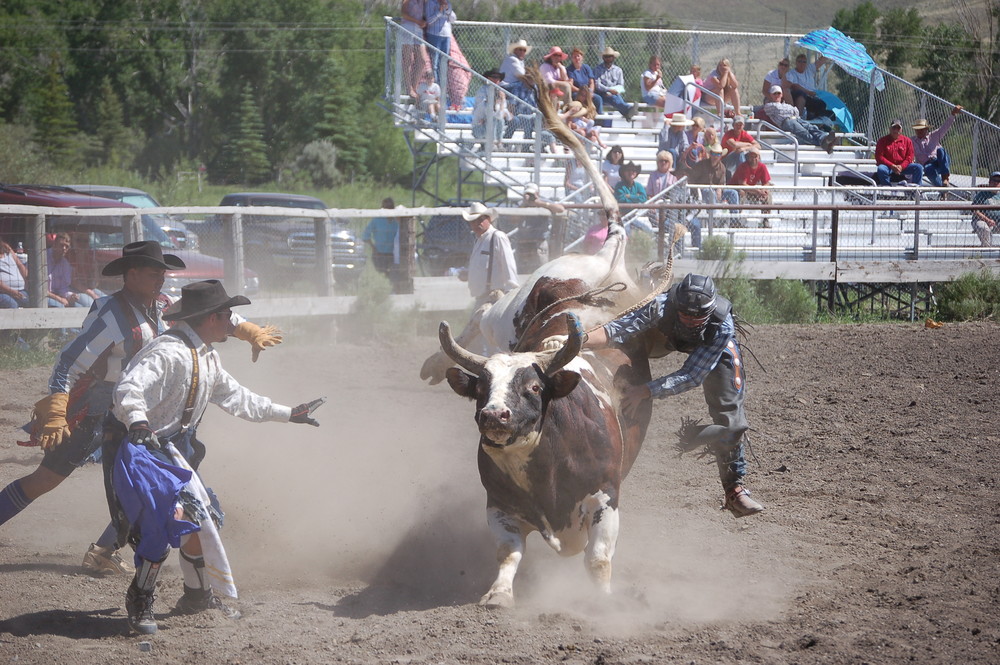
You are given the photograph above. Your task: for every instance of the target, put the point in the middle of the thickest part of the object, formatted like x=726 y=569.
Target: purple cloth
x=60 y=275
x=147 y=490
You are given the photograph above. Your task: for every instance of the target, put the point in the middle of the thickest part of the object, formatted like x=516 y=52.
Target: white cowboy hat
x=477 y=210
x=520 y=43
x=610 y=51
x=680 y=120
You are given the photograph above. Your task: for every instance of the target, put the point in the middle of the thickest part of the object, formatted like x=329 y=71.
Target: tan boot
x=739 y=503
x=106 y=561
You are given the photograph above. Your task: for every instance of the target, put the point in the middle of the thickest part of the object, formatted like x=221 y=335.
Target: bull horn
x=569 y=350
x=464 y=359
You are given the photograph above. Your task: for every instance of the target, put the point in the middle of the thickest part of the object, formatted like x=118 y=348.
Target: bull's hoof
x=497 y=599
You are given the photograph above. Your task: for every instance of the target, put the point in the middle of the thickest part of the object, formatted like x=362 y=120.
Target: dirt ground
x=875 y=449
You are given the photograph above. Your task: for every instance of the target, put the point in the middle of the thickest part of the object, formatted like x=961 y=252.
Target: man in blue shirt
x=380 y=234
x=695 y=320
x=609 y=83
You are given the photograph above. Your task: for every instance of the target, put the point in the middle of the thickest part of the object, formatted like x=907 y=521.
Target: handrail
x=701 y=109
x=795 y=142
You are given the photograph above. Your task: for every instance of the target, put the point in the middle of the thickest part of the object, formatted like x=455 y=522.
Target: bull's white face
x=511 y=396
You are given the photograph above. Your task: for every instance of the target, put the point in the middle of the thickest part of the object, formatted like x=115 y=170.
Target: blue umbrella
x=847 y=53
x=836 y=106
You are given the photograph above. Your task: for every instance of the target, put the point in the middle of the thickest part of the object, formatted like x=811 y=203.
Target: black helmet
x=695 y=296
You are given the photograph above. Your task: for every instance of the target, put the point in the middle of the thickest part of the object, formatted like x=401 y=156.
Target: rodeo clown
x=157 y=495
x=67 y=424
x=695 y=320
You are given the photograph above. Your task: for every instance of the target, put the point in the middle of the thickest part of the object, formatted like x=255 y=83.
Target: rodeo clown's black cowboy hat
x=202 y=298
x=142 y=253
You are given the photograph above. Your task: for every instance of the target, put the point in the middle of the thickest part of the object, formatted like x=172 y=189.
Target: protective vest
x=683 y=339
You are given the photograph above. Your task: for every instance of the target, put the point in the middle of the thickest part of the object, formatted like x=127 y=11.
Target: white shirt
x=610 y=172
x=658 y=90
x=504 y=276
x=511 y=68
x=806 y=79
x=155 y=387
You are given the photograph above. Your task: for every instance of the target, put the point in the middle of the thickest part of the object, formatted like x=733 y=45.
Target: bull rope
x=611 y=209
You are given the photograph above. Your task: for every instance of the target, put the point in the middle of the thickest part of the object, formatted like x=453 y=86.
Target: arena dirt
x=875 y=451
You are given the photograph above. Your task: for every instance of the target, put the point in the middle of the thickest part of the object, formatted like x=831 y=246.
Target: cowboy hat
x=555 y=51
x=201 y=298
x=716 y=149
x=576 y=109
x=610 y=51
x=921 y=124
x=629 y=166
x=493 y=74
x=680 y=120
x=520 y=43
x=142 y=253
x=477 y=210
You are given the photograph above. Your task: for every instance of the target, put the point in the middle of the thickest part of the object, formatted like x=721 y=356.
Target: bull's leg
x=603 y=535
x=509 y=533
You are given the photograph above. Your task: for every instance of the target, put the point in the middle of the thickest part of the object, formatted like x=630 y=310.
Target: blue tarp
x=848 y=54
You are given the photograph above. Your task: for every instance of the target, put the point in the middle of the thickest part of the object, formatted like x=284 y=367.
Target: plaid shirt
x=699 y=363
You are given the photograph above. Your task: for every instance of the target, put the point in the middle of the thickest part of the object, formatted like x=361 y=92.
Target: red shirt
x=743 y=136
x=889 y=151
x=745 y=175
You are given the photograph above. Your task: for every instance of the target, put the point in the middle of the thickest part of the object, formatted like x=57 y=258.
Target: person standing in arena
x=697 y=321
x=158 y=496
x=67 y=423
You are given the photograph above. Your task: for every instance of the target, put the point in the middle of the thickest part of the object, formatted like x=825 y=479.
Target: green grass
x=20 y=356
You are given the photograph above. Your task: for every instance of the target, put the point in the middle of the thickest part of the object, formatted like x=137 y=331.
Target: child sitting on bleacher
x=429 y=95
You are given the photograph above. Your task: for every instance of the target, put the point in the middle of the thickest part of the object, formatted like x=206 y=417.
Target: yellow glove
x=50 y=412
x=259 y=338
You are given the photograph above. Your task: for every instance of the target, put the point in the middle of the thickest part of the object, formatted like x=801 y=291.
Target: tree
x=110 y=130
x=341 y=123
x=245 y=155
x=52 y=110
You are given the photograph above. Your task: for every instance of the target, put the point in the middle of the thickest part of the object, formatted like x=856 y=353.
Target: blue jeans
x=805 y=132
x=441 y=44
x=616 y=100
x=9 y=302
x=883 y=175
x=730 y=196
x=938 y=167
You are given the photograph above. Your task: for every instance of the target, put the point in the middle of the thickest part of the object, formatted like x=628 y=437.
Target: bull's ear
x=462 y=383
x=563 y=382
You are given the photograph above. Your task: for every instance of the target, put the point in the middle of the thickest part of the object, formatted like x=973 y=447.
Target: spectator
x=491 y=263
x=753 y=173
x=628 y=190
x=531 y=246
x=738 y=142
x=694 y=154
x=582 y=78
x=581 y=121
x=61 y=277
x=554 y=73
x=523 y=102
x=12 y=275
x=661 y=179
x=487 y=119
x=438 y=17
x=513 y=65
x=673 y=136
x=380 y=234
x=654 y=92
x=696 y=133
x=610 y=83
x=575 y=177
x=429 y=95
x=712 y=171
x=894 y=157
x=987 y=222
x=802 y=86
x=722 y=81
x=696 y=75
x=611 y=166
x=413 y=52
x=928 y=151
x=776 y=77
x=710 y=137
x=786 y=117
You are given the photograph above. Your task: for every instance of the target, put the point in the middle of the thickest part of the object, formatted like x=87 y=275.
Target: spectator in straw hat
x=673 y=136
x=928 y=151
x=554 y=73
x=610 y=83
x=712 y=171
x=513 y=65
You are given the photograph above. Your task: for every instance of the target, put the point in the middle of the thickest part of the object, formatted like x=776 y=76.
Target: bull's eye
x=536 y=388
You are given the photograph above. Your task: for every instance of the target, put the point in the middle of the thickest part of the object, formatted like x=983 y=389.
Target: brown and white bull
x=554 y=446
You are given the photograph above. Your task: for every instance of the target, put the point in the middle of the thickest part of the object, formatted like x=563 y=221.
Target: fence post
x=132 y=228
x=871 y=110
x=324 y=256
x=233 y=252
x=916 y=225
x=38 y=270
x=401 y=275
x=975 y=153
x=831 y=293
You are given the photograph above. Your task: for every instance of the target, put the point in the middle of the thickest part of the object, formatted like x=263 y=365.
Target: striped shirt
x=699 y=363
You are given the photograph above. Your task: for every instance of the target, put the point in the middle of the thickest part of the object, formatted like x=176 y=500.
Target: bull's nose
x=501 y=415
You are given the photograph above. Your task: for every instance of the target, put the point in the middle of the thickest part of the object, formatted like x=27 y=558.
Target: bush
x=318 y=164
x=372 y=317
x=971 y=296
